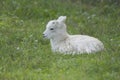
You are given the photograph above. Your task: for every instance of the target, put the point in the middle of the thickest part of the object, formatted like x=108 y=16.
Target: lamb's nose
x=43 y=35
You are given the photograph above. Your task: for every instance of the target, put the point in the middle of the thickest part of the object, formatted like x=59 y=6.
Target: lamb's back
x=85 y=44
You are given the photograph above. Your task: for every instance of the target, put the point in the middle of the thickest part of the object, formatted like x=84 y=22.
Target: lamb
x=62 y=42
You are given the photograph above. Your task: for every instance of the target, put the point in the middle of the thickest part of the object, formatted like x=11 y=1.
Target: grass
x=25 y=55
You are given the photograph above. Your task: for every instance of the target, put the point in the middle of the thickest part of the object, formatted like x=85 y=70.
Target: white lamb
x=62 y=42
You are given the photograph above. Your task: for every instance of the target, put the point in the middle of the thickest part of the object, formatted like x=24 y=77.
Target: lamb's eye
x=51 y=28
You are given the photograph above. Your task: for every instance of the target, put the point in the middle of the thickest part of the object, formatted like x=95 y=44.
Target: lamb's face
x=54 y=28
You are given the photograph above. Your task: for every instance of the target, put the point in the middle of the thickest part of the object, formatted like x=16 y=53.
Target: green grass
x=26 y=55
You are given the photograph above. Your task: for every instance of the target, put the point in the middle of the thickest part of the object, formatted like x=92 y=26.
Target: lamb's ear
x=62 y=18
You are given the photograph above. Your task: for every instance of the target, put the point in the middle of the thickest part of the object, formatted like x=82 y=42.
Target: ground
x=26 y=55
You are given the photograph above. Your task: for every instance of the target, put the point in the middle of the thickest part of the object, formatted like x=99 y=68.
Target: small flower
x=111 y=39
x=18 y=48
x=36 y=41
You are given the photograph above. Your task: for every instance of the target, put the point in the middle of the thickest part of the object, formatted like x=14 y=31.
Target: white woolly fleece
x=62 y=42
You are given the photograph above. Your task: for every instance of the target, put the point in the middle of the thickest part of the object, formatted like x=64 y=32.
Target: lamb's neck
x=59 y=39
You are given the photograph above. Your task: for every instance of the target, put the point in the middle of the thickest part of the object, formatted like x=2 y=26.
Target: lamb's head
x=55 y=28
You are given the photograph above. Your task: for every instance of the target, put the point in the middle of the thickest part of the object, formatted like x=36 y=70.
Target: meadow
x=26 y=55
